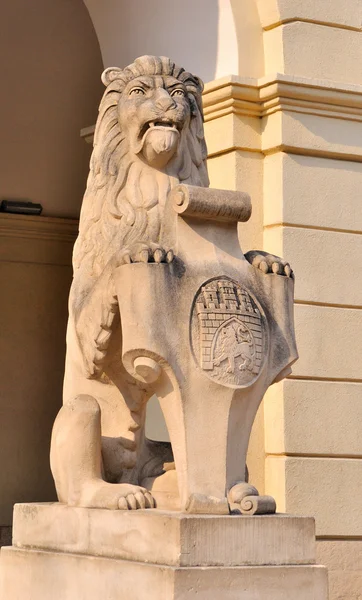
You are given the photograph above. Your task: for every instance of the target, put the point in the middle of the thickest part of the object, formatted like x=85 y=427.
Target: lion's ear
x=110 y=75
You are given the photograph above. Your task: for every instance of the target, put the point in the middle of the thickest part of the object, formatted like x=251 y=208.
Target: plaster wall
x=210 y=37
x=35 y=276
x=50 y=64
x=312 y=215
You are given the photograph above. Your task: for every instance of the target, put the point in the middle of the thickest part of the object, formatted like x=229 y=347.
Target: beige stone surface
x=233 y=132
x=237 y=170
x=318 y=328
x=46 y=575
x=147 y=201
x=344 y=561
x=324 y=52
x=312 y=134
x=325 y=248
x=307 y=190
x=347 y=14
x=313 y=417
x=164 y=537
x=255 y=459
x=327 y=488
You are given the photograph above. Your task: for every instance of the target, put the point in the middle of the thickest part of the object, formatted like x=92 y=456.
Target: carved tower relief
x=232 y=333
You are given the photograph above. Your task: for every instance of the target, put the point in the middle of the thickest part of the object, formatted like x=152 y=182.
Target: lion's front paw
x=139 y=499
x=146 y=253
x=268 y=263
x=122 y=496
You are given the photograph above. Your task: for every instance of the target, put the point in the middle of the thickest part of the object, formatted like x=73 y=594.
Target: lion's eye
x=137 y=92
x=177 y=92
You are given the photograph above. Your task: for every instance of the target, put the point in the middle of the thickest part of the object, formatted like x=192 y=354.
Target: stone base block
x=40 y=575
x=67 y=553
x=166 y=538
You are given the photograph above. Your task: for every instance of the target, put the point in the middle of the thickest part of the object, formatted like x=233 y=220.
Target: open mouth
x=160 y=124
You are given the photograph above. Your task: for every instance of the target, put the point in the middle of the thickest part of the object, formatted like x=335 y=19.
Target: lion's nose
x=164 y=101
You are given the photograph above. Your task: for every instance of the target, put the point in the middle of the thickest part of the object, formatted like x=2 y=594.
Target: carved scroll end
x=146 y=369
x=244 y=499
x=255 y=505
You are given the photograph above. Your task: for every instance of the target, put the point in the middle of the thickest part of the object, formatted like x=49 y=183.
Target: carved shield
x=231 y=333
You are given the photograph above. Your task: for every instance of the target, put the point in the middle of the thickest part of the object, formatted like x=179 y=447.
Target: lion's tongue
x=161 y=138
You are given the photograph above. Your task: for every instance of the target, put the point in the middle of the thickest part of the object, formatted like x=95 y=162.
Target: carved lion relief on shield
x=229 y=341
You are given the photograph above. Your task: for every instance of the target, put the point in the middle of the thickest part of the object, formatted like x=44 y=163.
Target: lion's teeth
x=161 y=124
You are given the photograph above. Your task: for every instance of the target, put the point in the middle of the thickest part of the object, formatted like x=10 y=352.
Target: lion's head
x=149 y=137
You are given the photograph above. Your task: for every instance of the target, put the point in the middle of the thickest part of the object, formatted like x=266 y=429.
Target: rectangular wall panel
x=327 y=264
x=313 y=417
x=307 y=190
x=329 y=342
x=327 y=488
x=314 y=51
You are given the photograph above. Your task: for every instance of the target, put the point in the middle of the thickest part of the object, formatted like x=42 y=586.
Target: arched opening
x=51 y=65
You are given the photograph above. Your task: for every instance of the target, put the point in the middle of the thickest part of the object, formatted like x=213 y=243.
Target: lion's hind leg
x=76 y=461
x=231 y=367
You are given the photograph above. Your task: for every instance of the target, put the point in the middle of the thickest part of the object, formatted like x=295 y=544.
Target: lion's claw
x=170 y=256
x=143 y=256
x=122 y=504
x=150 y=502
x=288 y=271
x=140 y=499
x=263 y=266
x=268 y=263
x=159 y=255
x=131 y=501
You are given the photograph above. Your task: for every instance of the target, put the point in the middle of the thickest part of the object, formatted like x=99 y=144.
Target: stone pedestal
x=67 y=553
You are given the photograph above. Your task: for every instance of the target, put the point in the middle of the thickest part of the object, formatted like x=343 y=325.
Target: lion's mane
x=120 y=189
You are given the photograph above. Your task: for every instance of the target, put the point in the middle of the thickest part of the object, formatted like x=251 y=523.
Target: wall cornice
x=38 y=227
x=37 y=240
x=262 y=97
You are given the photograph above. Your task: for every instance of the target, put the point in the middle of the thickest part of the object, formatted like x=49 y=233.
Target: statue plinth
x=72 y=553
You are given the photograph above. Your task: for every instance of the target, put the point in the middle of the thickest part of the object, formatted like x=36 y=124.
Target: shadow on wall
x=33 y=315
x=249 y=35
x=50 y=63
x=185 y=31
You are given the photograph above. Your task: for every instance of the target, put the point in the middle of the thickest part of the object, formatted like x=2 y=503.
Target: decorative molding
x=332 y=24
x=38 y=228
x=339 y=15
x=260 y=98
x=37 y=240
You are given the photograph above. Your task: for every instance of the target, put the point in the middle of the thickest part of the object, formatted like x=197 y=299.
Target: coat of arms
x=231 y=332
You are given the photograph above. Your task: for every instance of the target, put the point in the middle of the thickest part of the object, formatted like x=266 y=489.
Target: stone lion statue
x=148 y=138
